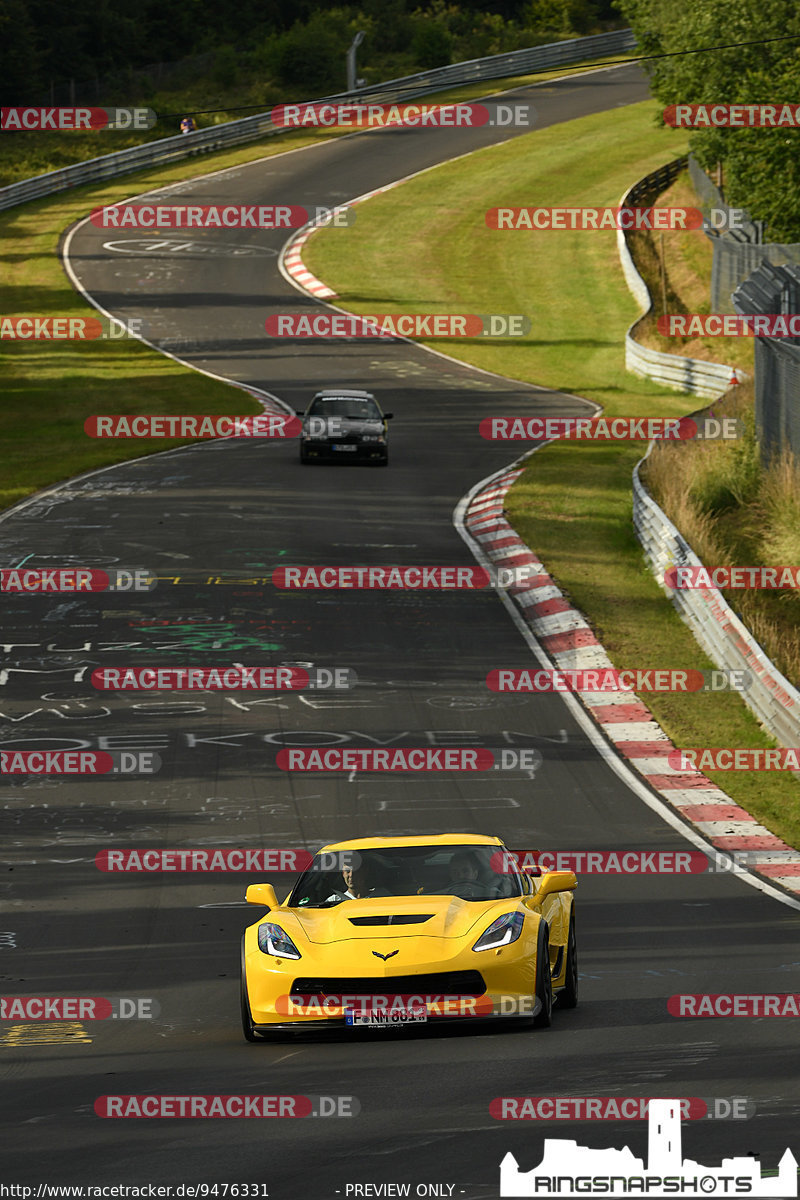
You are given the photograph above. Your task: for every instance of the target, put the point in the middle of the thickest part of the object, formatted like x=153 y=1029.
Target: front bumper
x=353 y=451
x=337 y=1023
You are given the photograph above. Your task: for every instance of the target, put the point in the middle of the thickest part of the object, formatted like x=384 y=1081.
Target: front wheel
x=544 y=980
x=568 y=996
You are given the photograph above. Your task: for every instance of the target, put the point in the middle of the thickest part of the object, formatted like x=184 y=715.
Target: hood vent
x=392 y=919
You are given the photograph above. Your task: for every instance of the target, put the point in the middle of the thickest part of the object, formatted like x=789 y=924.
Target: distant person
x=188 y=125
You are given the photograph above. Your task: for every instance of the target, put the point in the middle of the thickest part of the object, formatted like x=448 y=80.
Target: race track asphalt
x=213 y=520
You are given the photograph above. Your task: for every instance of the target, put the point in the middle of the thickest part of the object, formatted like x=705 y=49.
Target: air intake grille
x=392 y=919
x=435 y=983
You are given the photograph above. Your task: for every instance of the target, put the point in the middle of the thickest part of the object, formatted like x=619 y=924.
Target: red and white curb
x=293 y=266
x=290 y=262
x=568 y=641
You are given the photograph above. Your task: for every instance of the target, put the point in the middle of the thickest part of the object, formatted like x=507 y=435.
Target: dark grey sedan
x=345 y=424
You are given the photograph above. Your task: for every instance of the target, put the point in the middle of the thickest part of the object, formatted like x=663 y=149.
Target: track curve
x=212 y=519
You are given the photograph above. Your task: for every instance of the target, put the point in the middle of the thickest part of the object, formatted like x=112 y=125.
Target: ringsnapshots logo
x=321 y=115
x=61 y=119
x=570 y=1170
x=264 y=425
x=66 y=580
x=220 y=216
x=611 y=429
x=69 y=329
x=394 y=325
x=659 y=679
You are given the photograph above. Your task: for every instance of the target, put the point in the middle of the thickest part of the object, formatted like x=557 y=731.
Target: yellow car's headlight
x=501 y=932
x=276 y=941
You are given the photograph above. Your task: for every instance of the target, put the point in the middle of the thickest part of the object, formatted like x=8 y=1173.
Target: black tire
x=568 y=996
x=544 y=981
x=248 y=1029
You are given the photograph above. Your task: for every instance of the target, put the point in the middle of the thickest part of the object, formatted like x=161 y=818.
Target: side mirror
x=301 y=412
x=556 y=881
x=261 y=893
x=388 y=416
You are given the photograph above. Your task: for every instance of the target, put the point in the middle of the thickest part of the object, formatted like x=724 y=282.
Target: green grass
x=416 y=247
x=49 y=389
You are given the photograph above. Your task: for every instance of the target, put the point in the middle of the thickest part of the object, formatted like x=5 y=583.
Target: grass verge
x=734 y=510
x=50 y=388
x=573 y=503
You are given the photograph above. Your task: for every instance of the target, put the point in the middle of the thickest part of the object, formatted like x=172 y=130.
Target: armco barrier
x=700 y=378
x=729 y=645
x=248 y=129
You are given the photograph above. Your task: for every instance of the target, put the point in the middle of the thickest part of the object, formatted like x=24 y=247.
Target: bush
x=311 y=57
x=432 y=45
x=226 y=67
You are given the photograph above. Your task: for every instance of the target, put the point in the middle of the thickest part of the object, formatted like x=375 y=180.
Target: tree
x=761 y=166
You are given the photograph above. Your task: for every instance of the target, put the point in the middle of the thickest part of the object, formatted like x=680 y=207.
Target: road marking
x=45 y=1033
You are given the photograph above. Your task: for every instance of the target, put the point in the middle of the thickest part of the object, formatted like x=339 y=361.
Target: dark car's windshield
x=353 y=408
x=468 y=872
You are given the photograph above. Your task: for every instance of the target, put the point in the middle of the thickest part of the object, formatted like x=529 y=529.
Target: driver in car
x=463 y=867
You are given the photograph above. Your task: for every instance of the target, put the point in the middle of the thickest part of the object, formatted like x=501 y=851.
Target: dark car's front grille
x=392 y=919
x=434 y=983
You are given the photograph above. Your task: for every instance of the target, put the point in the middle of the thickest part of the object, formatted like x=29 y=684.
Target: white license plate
x=350 y=449
x=384 y=1019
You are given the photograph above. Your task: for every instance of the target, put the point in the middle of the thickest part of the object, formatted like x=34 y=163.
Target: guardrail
x=700 y=378
x=726 y=641
x=248 y=129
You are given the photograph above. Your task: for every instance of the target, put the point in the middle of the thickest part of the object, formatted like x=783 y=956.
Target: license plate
x=383 y=1019
x=350 y=449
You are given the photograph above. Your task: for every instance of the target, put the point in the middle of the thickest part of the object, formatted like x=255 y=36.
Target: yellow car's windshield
x=468 y=872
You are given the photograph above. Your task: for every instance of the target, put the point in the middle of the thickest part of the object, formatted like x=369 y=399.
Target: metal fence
x=775 y=289
x=726 y=641
x=248 y=129
x=694 y=375
x=737 y=251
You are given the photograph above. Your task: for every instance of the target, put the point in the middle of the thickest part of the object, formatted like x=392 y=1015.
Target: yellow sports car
x=388 y=932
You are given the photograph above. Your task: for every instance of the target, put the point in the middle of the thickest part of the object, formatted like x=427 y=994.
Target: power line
x=614 y=62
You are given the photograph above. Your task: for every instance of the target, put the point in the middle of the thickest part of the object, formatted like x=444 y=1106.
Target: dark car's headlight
x=275 y=941
x=501 y=932
x=373 y=437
